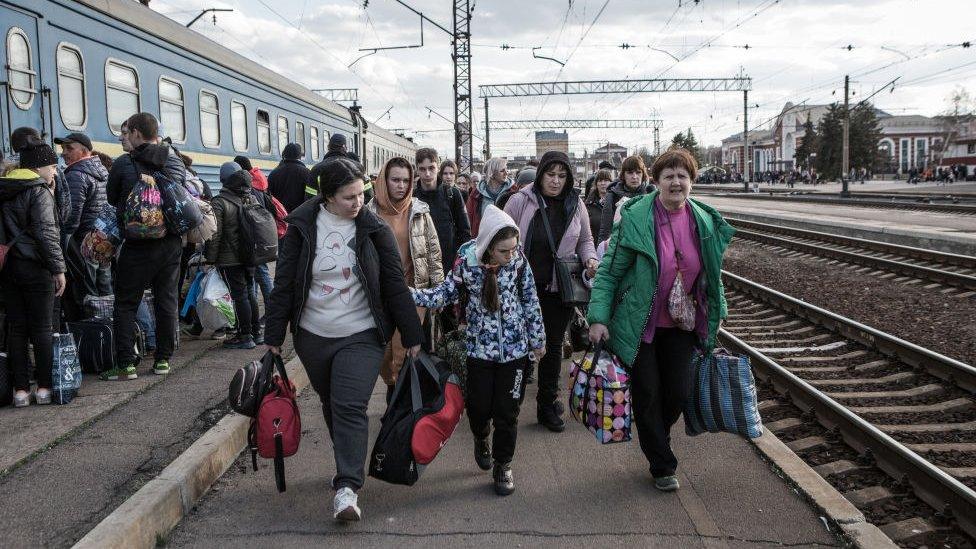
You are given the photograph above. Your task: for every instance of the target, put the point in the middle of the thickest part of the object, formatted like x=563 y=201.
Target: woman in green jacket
x=665 y=251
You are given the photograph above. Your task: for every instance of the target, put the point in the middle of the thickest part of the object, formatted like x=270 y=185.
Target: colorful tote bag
x=723 y=396
x=599 y=397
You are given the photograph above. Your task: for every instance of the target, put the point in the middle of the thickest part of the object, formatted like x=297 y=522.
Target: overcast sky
x=797 y=51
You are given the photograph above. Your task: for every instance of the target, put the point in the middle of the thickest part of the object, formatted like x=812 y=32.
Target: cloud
x=797 y=51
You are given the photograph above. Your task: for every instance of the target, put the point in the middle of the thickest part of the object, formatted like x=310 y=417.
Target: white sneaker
x=345 y=505
x=21 y=399
x=43 y=396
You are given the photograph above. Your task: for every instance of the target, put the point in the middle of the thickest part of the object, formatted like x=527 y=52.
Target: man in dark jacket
x=289 y=181
x=446 y=207
x=144 y=262
x=337 y=149
x=224 y=251
x=633 y=181
x=86 y=178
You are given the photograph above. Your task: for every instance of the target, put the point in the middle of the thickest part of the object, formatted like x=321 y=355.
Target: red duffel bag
x=276 y=431
x=433 y=430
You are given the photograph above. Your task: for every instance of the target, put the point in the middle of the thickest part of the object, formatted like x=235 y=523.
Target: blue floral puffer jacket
x=502 y=336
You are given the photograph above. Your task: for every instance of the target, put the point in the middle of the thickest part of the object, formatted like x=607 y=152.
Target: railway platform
x=570 y=492
x=941 y=231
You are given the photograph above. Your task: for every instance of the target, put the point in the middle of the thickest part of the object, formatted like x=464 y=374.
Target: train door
x=21 y=103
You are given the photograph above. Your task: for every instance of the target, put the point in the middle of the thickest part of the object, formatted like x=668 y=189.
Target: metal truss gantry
x=740 y=83
x=339 y=94
x=579 y=87
x=573 y=124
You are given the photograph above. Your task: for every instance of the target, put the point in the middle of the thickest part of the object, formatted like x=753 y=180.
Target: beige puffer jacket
x=425 y=248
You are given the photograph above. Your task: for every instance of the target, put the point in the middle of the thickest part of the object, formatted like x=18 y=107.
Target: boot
x=482 y=453
x=548 y=416
x=504 y=483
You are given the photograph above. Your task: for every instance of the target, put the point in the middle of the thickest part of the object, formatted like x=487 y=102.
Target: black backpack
x=251 y=383
x=259 y=232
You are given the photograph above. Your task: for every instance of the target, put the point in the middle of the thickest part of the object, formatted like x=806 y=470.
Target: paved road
x=97 y=451
x=571 y=492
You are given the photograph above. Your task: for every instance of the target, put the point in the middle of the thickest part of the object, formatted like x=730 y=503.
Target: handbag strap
x=545 y=223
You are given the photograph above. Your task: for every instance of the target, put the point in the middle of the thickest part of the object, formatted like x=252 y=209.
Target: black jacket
x=617 y=191
x=86 y=180
x=145 y=159
x=313 y=181
x=224 y=249
x=287 y=182
x=594 y=207
x=29 y=210
x=450 y=219
x=380 y=273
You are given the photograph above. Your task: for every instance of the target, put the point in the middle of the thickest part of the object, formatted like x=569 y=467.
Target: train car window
x=209 y=119
x=264 y=132
x=282 y=134
x=314 y=132
x=300 y=135
x=121 y=93
x=172 y=113
x=238 y=125
x=72 y=99
x=20 y=69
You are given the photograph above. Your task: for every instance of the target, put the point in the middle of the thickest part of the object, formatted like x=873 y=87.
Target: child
x=504 y=323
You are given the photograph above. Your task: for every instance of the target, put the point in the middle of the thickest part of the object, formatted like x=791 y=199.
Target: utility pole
x=487 y=134
x=846 y=154
x=745 y=139
x=462 y=85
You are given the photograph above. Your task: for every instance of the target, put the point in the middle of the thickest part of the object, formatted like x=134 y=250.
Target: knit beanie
x=243 y=162
x=37 y=155
x=228 y=169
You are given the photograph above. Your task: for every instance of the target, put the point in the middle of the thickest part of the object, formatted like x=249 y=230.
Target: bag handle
x=545 y=223
x=598 y=350
x=416 y=399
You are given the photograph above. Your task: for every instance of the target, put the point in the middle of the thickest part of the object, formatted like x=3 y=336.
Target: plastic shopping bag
x=215 y=306
x=723 y=396
x=66 y=372
x=600 y=395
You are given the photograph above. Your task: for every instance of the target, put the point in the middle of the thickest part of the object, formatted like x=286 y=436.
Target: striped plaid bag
x=723 y=396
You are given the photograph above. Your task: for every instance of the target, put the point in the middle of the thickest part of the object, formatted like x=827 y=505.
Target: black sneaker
x=238 y=342
x=548 y=416
x=504 y=482
x=482 y=453
x=259 y=339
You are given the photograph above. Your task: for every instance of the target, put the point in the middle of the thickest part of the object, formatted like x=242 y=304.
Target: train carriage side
x=86 y=70
x=382 y=145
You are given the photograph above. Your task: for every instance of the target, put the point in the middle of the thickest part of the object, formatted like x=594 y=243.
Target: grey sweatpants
x=343 y=372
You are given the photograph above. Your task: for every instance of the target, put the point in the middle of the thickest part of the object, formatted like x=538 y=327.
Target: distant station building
x=551 y=141
x=611 y=152
x=907 y=141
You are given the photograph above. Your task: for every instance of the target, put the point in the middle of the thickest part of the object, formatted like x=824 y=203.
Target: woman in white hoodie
x=495 y=286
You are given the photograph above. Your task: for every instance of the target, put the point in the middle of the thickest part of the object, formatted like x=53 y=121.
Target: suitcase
x=95 y=339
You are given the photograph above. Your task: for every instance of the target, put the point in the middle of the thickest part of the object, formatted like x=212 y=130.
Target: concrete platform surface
x=570 y=492
x=935 y=230
x=879 y=186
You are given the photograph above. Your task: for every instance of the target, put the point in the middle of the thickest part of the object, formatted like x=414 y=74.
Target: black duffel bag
x=251 y=382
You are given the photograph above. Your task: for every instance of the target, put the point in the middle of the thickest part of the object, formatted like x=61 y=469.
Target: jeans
x=495 y=393
x=660 y=384
x=141 y=264
x=28 y=292
x=262 y=279
x=240 y=280
x=555 y=319
x=343 y=371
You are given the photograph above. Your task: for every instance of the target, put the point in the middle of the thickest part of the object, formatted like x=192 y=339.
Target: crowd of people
x=365 y=265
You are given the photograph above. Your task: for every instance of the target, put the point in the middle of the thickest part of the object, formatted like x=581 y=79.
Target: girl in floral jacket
x=504 y=324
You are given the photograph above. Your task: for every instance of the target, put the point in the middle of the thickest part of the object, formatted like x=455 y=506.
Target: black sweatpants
x=660 y=384
x=495 y=392
x=240 y=280
x=28 y=293
x=343 y=371
x=154 y=264
x=555 y=319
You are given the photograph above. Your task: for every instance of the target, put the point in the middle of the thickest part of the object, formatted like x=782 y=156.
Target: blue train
x=86 y=65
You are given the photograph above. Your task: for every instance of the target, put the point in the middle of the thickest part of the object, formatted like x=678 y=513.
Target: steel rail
x=945 y=208
x=957 y=260
x=930 y=483
x=941 y=366
x=927 y=273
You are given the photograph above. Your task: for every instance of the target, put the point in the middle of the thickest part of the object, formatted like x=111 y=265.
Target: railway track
x=911 y=264
x=894 y=204
x=890 y=424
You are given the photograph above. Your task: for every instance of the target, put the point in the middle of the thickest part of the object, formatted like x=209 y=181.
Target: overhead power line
x=576 y=124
